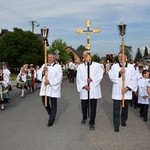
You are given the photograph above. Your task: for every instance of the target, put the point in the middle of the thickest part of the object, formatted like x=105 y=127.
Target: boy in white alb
x=143 y=97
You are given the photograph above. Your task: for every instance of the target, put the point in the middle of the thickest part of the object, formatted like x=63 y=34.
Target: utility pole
x=33 y=24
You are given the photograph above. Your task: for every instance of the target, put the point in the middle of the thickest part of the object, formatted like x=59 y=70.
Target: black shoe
x=141 y=116
x=123 y=124
x=83 y=122
x=50 y=123
x=116 y=129
x=91 y=127
x=145 y=119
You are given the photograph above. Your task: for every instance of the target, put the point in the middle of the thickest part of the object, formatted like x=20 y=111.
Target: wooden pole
x=88 y=73
x=123 y=67
x=45 y=59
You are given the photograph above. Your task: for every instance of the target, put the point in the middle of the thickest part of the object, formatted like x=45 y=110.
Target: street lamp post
x=122 y=31
x=44 y=32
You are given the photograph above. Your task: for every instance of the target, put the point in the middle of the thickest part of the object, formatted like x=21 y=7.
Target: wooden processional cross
x=88 y=31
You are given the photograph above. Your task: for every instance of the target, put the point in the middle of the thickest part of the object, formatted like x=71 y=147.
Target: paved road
x=23 y=124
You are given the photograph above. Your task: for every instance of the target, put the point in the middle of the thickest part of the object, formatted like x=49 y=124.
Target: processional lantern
x=44 y=32
x=122 y=29
x=122 y=32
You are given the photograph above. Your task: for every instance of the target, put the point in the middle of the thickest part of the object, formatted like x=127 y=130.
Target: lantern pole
x=44 y=32
x=122 y=31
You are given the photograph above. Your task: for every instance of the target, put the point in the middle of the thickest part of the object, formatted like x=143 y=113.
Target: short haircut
x=144 y=71
x=140 y=67
x=122 y=53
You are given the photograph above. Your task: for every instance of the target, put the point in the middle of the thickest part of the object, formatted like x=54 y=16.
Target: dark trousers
x=93 y=106
x=71 y=75
x=135 y=100
x=116 y=112
x=51 y=107
x=144 y=111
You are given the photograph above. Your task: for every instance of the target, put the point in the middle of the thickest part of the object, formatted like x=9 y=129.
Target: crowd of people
x=88 y=76
x=26 y=81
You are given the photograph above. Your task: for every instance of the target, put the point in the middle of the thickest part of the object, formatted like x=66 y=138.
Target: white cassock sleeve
x=80 y=79
x=132 y=84
x=114 y=74
x=40 y=74
x=98 y=75
x=57 y=78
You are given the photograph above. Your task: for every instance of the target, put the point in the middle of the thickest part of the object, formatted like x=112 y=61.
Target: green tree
x=80 y=50
x=116 y=58
x=138 y=55
x=145 y=51
x=96 y=58
x=128 y=52
x=21 y=47
x=61 y=46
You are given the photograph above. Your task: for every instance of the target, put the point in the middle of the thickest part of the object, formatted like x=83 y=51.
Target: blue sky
x=63 y=17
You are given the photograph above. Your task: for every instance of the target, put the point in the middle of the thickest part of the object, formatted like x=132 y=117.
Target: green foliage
x=146 y=51
x=13 y=76
x=61 y=47
x=128 y=52
x=96 y=58
x=21 y=47
x=80 y=50
x=116 y=58
x=138 y=55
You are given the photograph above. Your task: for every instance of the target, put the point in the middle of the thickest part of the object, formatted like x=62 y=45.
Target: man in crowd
x=51 y=77
x=115 y=74
x=89 y=85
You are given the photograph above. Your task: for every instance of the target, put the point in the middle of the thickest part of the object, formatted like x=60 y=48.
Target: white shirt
x=142 y=86
x=96 y=74
x=117 y=81
x=71 y=66
x=54 y=78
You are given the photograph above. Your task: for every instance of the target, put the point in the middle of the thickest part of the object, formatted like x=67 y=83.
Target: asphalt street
x=23 y=124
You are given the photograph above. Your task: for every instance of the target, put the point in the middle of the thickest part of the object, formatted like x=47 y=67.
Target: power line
x=13 y=13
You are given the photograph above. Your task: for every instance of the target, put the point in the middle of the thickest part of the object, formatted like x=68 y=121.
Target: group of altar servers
x=89 y=89
x=88 y=78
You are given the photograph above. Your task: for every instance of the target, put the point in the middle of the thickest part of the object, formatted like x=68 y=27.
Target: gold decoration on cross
x=88 y=32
